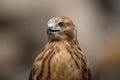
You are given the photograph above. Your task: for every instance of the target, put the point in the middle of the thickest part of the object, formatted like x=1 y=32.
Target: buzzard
x=61 y=58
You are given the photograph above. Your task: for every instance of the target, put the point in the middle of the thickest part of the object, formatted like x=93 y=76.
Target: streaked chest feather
x=60 y=62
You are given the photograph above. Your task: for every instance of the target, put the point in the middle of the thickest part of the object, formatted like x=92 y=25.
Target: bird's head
x=61 y=28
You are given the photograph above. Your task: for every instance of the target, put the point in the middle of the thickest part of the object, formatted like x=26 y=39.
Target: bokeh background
x=23 y=34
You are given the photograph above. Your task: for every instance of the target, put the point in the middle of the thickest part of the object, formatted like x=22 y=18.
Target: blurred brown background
x=23 y=34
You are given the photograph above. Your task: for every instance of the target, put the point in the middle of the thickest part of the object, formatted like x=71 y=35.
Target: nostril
x=51 y=27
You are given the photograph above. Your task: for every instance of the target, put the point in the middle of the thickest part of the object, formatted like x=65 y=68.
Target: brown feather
x=62 y=58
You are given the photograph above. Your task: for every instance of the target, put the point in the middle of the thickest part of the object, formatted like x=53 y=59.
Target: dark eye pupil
x=61 y=24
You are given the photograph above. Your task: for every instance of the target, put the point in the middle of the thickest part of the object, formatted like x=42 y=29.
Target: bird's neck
x=72 y=44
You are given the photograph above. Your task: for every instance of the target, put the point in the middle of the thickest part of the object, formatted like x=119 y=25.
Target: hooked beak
x=51 y=31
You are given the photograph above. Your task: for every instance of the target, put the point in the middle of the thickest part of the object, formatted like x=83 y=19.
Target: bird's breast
x=63 y=66
x=60 y=63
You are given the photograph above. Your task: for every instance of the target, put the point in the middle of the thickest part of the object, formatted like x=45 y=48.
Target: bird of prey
x=61 y=58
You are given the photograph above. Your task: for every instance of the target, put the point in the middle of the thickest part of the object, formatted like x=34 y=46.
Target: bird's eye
x=61 y=24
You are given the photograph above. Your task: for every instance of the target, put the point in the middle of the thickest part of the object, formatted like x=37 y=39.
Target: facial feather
x=62 y=58
x=58 y=33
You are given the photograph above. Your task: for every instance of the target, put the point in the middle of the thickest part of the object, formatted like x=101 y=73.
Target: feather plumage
x=62 y=58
